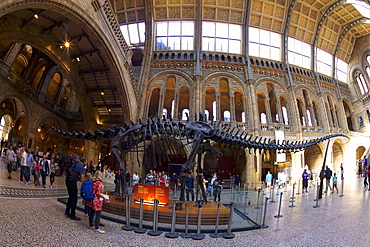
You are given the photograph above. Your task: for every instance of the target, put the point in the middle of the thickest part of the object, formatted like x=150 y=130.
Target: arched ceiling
x=331 y=25
x=87 y=53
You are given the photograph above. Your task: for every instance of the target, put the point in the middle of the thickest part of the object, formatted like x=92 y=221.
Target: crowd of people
x=308 y=179
x=31 y=165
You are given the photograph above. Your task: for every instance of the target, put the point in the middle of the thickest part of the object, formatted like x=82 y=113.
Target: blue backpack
x=87 y=191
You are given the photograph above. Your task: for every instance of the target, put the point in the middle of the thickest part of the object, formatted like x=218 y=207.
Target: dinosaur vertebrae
x=130 y=136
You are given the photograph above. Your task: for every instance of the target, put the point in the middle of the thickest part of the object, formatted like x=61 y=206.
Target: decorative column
x=160 y=105
x=268 y=111
x=147 y=102
x=279 y=111
x=176 y=106
x=313 y=115
x=232 y=108
x=304 y=112
x=218 y=112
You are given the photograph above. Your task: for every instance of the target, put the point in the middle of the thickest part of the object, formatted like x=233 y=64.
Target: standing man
x=135 y=180
x=23 y=164
x=73 y=174
x=268 y=179
x=189 y=183
x=29 y=163
x=305 y=177
x=127 y=181
x=9 y=160
x=327 y=174
x=150 y=179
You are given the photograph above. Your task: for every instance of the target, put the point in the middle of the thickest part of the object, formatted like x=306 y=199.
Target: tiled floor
x=339 y=221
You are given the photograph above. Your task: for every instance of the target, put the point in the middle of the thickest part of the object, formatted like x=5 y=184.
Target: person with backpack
x=74 y=173
x=327 y=174
x=86 y=192
x=96 y=205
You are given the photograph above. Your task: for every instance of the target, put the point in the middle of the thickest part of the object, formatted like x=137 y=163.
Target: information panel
x=150 y=192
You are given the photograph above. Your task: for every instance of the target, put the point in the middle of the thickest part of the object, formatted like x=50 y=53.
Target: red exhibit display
x=150 y=192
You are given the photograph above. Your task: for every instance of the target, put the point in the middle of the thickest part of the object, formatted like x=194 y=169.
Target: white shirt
x=135 y=179
x=24 y=156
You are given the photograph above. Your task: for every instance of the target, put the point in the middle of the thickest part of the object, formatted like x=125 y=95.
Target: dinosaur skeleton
x=165 y=136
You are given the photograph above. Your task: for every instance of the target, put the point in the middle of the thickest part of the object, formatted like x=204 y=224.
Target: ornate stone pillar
x=176 y=106
x=232 y=108
x=268 y=110
x=218 y=112
x=160 y=105
x=147 y=102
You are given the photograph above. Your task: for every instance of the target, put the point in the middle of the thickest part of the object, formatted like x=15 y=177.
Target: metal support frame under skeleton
x=165 y=136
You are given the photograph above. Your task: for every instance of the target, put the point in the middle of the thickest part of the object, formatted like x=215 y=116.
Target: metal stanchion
x=279 y=215
x=232 y=192
x=317 y=191
x=173 y=234
x=140 y=229
x=317 y=197
x=229 y=234
x=127 y=227
x=299 y=185
x=216 y=235
x=199 y=235
x=272 y=195
x=258 y=199
x=186 y=234
x=342 y=185
x=293 y=192
x=264 y=215
x=155 y=231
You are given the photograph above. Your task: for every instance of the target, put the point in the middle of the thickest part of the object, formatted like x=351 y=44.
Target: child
x=37 y=173
x=88 y=176
x=335 y=179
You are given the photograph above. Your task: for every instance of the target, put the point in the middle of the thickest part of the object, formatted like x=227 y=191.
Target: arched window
x=184 y=113
x=173 y=108
x=362 y=83
x=263 y=118
x=243 y=117
x=285 y=115
x=227 y=116
x=206 y=115
x=53 y=86
x=214 y=107
x=164 y=113
x=309 y=117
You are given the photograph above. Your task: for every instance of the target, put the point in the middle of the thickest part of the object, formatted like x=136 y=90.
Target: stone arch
x=43 y=43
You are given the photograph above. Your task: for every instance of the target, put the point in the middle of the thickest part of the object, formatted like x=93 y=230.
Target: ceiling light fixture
x=36 y=16
x=102 y=92
x=109 y=110
x=78 y=59
x=67 y=44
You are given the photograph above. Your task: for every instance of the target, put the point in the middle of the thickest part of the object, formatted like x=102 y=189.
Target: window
x=263 y=118
x=206 y=115
x=324 y=62
x=134 y=34
x=175 y=35
x=226 y=116
x=214 y=107
x=164 y=113
x=299 y=53
x=285 y=115
x=264 y=44
x=221 y=37
x=362 y=83
x=185 y=114
x=341 y=70
x=243 y=117
x=309 y=118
